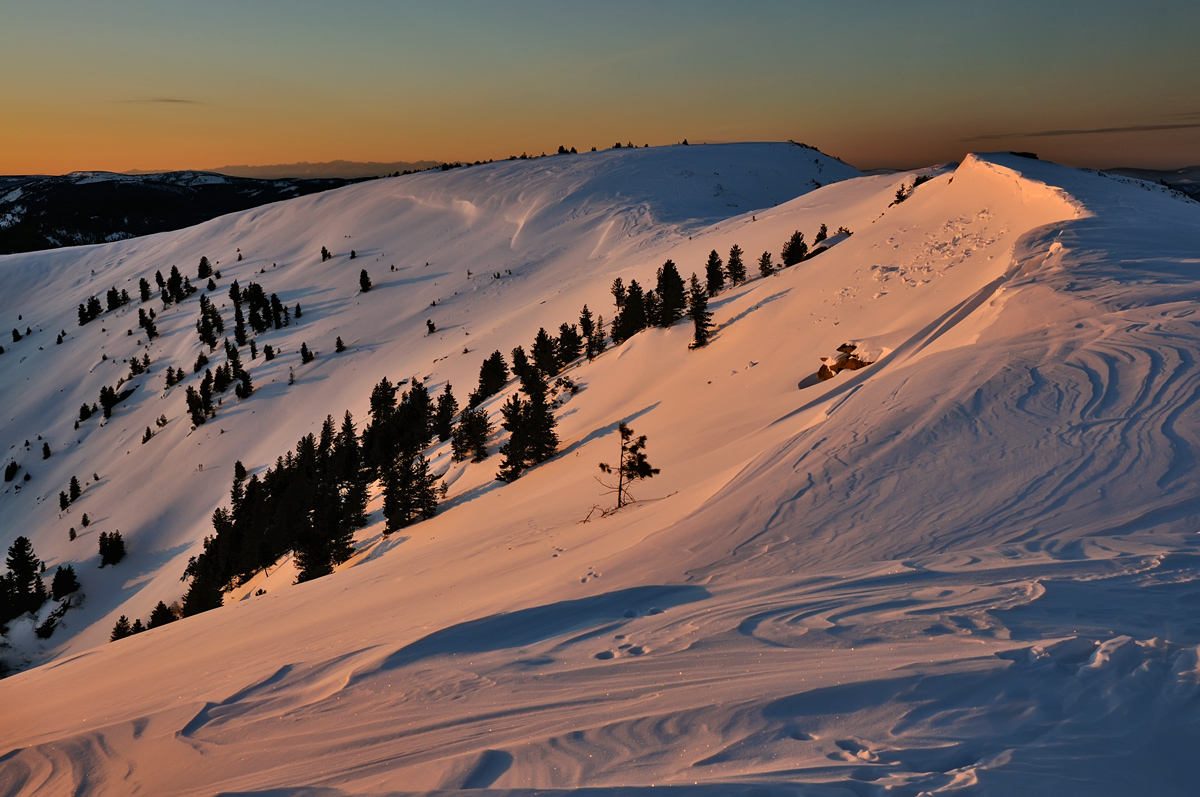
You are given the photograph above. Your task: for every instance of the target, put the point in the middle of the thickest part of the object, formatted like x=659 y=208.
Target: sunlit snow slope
x=967 y=566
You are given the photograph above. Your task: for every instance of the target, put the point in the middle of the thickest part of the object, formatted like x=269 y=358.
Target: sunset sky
x=172 y=85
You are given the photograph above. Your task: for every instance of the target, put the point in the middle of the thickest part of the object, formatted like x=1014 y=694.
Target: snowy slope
x=969 y=565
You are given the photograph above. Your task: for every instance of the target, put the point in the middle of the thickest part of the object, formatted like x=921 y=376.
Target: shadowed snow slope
x=970 y=566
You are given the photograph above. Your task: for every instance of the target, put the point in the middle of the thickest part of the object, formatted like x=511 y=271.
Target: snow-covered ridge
x=965 y=566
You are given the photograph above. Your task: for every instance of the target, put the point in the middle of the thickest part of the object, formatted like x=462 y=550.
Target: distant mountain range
x=38 y=212
x=339 y=169
x=1186 y=180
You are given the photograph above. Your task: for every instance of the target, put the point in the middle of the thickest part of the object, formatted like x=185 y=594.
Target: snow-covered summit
x=967 y=565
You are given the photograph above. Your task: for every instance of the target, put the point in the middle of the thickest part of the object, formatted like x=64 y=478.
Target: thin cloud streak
x=168 y=100
x=1084 y=132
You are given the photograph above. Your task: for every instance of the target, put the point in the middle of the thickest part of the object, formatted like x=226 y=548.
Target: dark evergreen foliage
x=121 y=630
x=493 y=375
x=306 y=356
x=364 y=281
x=631 y=313
x=545 y=353
x=204 y=270
x=714 y=273
x=821 y=235
x=338 y=345
x=112 y=548
x=443 y=414
x=699 y=313
x=735 y=267
x=633 y=465
x=530 y=424
x=470 y=436
x=22 y=587
x=144 y=289
x=671 y=294
x=45 y=451
x=64 y=582
x=161 y=615
x=794 y=250
x=11 y=470
x=75 y=489
x=569 y=344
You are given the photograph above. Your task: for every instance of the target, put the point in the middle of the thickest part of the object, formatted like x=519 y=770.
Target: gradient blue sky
x=173 y=85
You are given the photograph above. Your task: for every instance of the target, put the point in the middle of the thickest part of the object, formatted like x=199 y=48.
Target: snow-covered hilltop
x=968 y=564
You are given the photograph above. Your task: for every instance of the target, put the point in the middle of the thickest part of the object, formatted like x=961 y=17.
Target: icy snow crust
x=968 y=567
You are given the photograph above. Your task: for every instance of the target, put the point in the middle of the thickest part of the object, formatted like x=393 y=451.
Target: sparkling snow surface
x=970 y=566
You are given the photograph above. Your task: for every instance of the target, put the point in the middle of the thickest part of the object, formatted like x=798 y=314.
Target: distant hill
x=39 y=212
x=348 y=170
x=1186 y=179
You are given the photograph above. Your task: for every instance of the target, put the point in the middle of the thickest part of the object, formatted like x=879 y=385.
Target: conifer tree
x=410 y=492
x=545 y=353
x=569 y=344
x=204 y=270
x=239 y=325
x=631 y=318
x=794 y=250
x=521 y=367
x=632 y=466
x=63 y=501
x=64 y=582
x=671 y=294
x=821 y=235
x=443 y=416
x=45 y=450
x=161 y=615
x=121 y=630
x=587 y=327
x=714 y=273
x=305 y=355
x=765 y=267
x=469 y=438
x=493 y=374
x=735 y=267
x=598 y=340
x=699 y=313
x=23 y=580
x=75 y=489
x=112 y=548
x=339 y=346
x=364 y=281
x=144 y=289
x=514 y=451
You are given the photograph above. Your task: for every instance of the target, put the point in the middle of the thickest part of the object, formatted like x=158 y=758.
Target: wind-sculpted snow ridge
x=969 y=567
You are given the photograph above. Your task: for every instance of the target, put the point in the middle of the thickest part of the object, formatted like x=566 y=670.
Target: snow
x=968 y=566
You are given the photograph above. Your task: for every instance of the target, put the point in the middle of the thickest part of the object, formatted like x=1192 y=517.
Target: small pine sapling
x=632 y=467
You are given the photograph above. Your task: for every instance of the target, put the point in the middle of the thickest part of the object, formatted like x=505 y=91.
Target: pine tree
x=633 y=465
x=409 y=492
x=545 y=353
x=64 y=582
x=204 y=270
x=631 y=318
x=597 y=340
x=161 y=615
x=23 y=580
x=821 y=235
x=239 y=325
x=121 y=630
x=587 y=328
x=514 y=451
x=714 y=273
x=735 y=267
x=794 y=250
x=137 y=626
x=63 y=501
x=570 y=344
x=75 y=489
x=45 y=451
x=699 y=313
x=443 y=416
x=469 y=438
x=305 y=355
x=493 y=374
x=671 y=293
x=364 y=281
x=765 y=267
x=112 y=548
x=144 y=289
